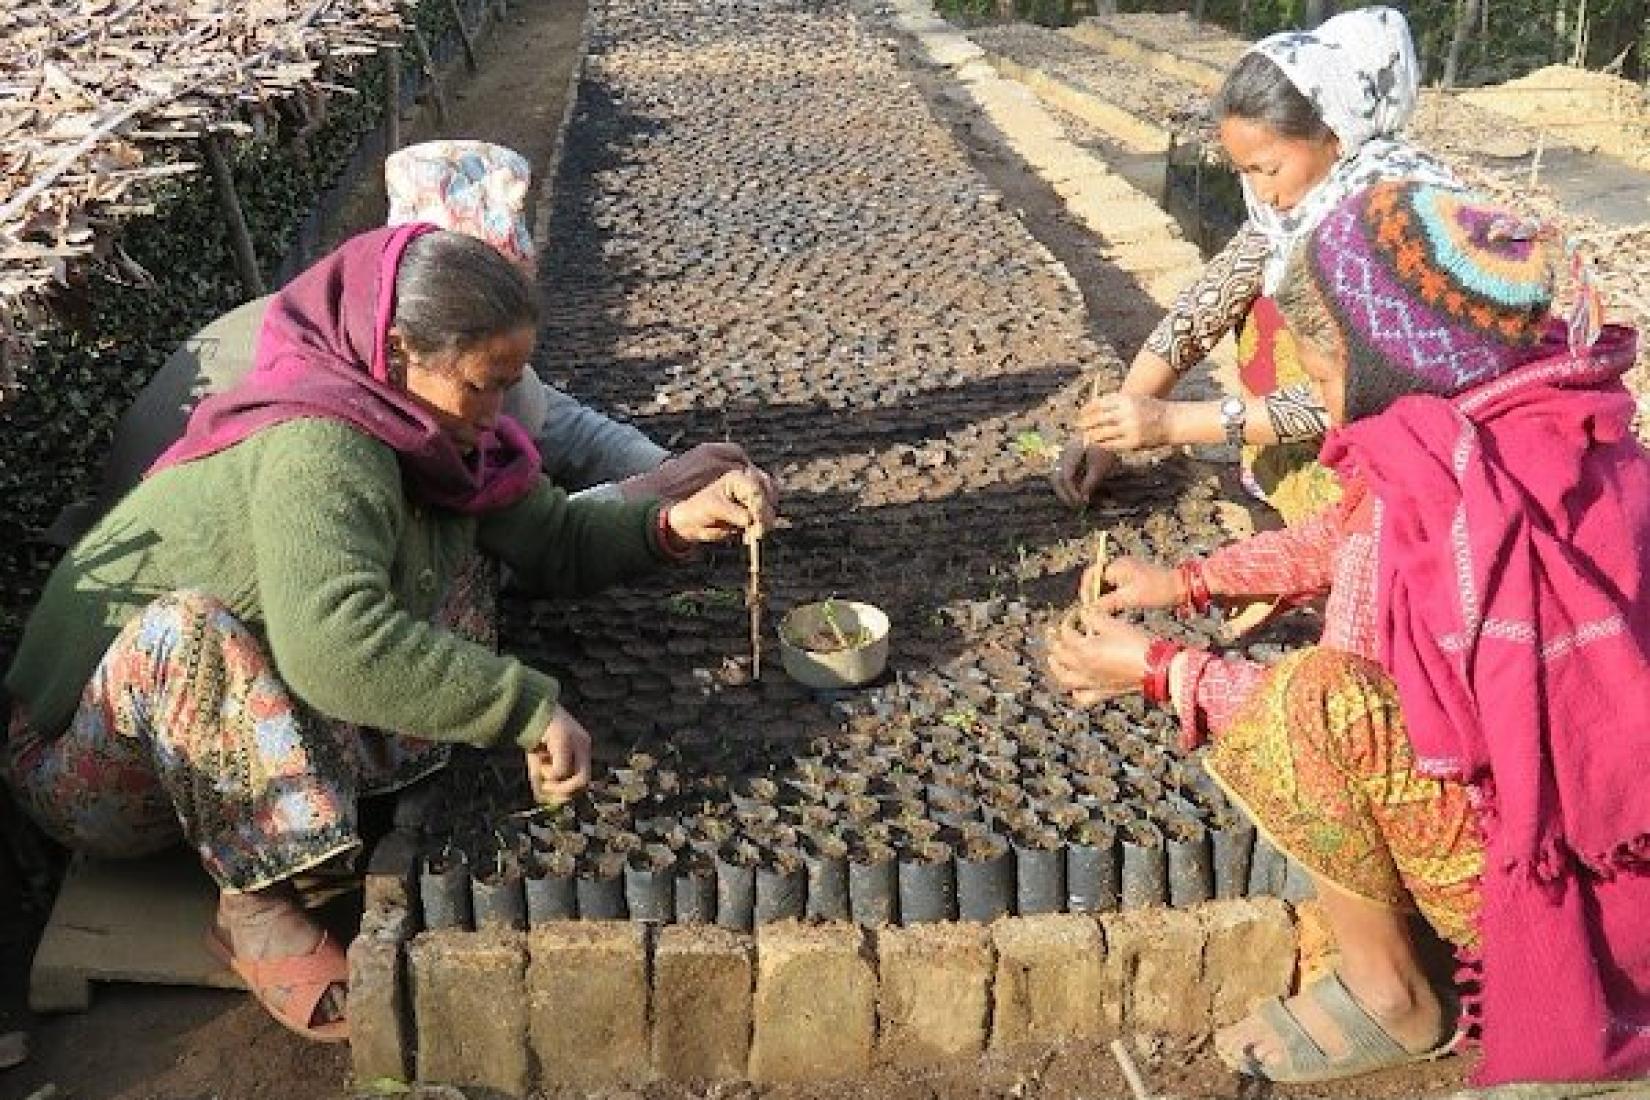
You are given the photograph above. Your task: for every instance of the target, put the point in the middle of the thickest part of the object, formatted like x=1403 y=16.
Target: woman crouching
x=216 y=658
x=1466 y=740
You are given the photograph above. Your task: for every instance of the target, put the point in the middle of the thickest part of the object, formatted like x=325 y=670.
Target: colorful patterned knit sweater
x=304 y=532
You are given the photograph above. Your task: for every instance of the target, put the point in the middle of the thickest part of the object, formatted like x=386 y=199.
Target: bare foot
x=1412 y=1015
x=270 y=924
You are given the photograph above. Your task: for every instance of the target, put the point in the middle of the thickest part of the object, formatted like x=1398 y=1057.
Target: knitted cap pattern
x=1432 y=290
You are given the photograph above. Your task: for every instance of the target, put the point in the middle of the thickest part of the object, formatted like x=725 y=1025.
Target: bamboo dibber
x=1090 y=590
x=1094 y=588
x=755 y=598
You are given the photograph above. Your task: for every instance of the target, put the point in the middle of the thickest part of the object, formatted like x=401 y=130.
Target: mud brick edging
x=604 y=1002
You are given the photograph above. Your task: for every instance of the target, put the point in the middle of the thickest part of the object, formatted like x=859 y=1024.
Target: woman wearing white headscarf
x=1307 y=119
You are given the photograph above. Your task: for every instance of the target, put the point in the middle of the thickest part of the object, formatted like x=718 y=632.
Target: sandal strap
x=1366 y=1039
x=326 y=965
x=1302 y=1052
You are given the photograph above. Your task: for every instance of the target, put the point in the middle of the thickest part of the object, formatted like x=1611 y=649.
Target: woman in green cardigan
x=216 y=658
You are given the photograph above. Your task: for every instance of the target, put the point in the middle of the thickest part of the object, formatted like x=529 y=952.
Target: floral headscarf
x=1359 y=70
x=471 y=187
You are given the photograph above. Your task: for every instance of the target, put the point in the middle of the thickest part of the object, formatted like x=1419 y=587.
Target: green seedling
x=695 y=604
x=834 y=637
x=1032 y=446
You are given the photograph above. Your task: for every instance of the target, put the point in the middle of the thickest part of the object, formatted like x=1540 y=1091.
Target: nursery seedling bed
x=760 y=232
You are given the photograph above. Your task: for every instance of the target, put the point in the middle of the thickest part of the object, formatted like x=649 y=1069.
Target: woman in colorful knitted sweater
x=1306 y=118
x=282 y=616
x=1467 y=740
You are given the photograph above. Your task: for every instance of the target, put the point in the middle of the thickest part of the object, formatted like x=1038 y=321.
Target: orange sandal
x=306 y=979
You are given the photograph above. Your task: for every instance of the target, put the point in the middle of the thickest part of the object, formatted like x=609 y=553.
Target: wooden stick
x=1102 y=558
x=240 y=238
x=437 y=92
x=755 y=598
x=464 y=35
x=1131 y=1071
x=392 y=91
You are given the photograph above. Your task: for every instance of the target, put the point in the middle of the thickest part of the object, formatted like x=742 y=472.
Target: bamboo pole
x=464 y=35
x=438 y=92
x=229 y=203
x=392 y=91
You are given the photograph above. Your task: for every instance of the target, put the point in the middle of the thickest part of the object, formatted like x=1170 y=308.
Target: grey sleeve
x=580 y=447
x=208 y=362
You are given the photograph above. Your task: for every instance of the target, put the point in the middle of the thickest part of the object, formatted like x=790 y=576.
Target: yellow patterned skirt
x=1319 y=759
x=1287 y=475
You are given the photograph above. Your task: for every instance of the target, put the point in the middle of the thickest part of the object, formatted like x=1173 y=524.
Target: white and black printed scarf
x=1359 y=70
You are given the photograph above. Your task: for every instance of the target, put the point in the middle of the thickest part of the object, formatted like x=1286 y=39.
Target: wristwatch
x=1234 y=411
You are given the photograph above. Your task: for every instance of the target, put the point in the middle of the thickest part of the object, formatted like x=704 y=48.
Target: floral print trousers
x=1320 y=761
x=187 y=732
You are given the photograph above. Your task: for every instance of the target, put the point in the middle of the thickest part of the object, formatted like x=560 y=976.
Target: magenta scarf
x=1514 y=613
x=323 y=352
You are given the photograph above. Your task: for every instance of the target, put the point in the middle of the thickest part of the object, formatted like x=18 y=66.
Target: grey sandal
x=1368 y=1046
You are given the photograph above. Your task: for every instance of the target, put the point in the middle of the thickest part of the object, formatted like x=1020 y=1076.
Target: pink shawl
x=1514 y=615
x=323 y=352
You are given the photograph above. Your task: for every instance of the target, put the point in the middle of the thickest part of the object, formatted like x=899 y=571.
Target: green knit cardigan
x=305 y=533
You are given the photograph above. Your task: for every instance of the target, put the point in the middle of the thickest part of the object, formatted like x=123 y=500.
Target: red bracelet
x=673 y=546
x=1154 y=684
x=1196 y=588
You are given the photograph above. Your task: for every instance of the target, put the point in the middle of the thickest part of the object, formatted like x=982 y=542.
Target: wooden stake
x=1131 y=1071
x=464 y=35
x=755 y=599
x=229 y=202
x=392 y=90
x=1102 y=558
x=437 y=92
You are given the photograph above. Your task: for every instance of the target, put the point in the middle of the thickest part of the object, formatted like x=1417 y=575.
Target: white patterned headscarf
x=1359 y=70
x=471 y=187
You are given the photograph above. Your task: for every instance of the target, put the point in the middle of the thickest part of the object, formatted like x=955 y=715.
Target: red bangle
x=1154 y=684
x=673 y=546
x=1196 y=586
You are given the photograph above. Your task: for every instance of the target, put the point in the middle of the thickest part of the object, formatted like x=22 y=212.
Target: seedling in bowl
x=834 y=639
x=834 y=644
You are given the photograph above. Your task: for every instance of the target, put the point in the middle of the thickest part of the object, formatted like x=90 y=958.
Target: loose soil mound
x=1586 y=109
